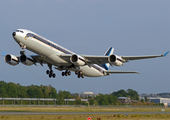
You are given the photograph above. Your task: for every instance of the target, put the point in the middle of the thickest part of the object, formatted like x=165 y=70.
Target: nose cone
x=13 y=34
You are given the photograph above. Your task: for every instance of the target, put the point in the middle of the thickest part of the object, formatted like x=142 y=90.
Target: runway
x=78 y=113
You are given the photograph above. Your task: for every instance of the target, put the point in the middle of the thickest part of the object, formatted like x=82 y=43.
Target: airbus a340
x=65 y=60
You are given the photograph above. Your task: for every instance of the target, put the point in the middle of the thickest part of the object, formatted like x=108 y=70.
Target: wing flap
x=93 y=59
x=39 y=59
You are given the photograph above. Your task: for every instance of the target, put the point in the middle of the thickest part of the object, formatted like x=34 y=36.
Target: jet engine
x=26 y=60
x=76 y=60
x=11 y=59
x=115 y=60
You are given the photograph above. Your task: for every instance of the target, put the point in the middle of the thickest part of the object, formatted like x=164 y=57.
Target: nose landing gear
x=22 y=47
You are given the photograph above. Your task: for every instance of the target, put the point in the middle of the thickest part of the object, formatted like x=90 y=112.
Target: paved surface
x=77 y=113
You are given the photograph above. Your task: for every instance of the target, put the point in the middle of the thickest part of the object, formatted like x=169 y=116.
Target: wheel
x=82 y=76
x=69 y=73
x=50 y=75
x=54 y=75
x=63 y=73
x=66 y=73
x=78 y=75
x=21 y=52
x=76 y=72
x=47 y=72
x=80 y=72
x=51 y=71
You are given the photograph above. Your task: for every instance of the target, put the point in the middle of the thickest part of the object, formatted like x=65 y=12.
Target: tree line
x=12 y=90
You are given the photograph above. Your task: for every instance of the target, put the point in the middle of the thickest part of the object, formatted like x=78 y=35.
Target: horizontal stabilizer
x=116 y=72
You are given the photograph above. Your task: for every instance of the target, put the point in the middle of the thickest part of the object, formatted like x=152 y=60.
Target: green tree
x=22 y=91
x=133 y=94
x=146 y=99
x=35 y=92
x=67 y=95
x=53 y=93
x=60 y=98
x=102 y=99
x=11 y=90
x=120 y=93
x=77 y=102
x=142 y=100
x=91 y=101
x=2 y=92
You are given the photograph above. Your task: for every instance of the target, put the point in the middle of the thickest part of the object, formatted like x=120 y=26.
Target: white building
x=165 y=101
x=87 y=94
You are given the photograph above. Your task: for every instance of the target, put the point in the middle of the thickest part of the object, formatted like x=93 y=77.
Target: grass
x=84 y=117
x=79 y=109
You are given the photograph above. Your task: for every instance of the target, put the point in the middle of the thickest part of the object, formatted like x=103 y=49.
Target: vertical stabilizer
x=108 y=53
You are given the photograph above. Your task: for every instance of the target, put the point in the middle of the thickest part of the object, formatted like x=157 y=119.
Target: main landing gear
x=66 y=73
x=79 y=74
x=50 y=72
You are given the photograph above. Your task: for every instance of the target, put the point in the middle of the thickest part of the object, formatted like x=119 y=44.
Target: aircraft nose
x=13 y=34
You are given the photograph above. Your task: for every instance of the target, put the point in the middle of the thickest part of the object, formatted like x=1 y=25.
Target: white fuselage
x=51 y=52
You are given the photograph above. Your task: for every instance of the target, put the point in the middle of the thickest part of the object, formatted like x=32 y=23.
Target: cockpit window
x=19 y=31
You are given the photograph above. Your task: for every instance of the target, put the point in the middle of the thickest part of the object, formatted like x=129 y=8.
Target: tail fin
x=108 y=53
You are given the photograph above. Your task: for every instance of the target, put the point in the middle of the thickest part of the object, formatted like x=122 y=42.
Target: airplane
x=65 y=60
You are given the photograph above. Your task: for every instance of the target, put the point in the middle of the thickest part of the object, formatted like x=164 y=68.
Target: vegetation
x=12 y=90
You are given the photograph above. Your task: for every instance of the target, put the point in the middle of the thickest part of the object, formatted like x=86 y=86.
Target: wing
x=93 y=59
x=89 y=59
x=127 y=58
x=116 y=72
x=39 y=59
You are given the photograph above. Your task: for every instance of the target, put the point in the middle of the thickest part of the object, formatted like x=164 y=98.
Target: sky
x=90 y=27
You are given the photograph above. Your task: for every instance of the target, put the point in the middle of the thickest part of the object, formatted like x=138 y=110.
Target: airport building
x=86 y=94
x=124 y=100
x=165 y=101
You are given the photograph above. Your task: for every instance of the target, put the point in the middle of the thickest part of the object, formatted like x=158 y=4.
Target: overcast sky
x=132 y=27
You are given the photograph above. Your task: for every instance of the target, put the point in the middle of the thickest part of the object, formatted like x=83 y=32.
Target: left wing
x=112 y=59
x=127 y=58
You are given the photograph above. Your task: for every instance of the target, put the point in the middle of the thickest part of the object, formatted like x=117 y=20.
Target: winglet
x=3 y=54
x=166 y=53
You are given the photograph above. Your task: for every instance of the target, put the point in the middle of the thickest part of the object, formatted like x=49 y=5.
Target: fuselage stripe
x=97 y=68
x=49 y=43
x=61 y=49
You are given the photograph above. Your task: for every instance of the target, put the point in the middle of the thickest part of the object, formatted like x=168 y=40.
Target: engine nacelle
x=76 y=60
x=11 y=59
x=115 y=60
x=26 y=60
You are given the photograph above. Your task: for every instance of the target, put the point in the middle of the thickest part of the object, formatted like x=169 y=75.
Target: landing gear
x=22 y=52
x=50 y=72
x=66 y=73
x=79 y=74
